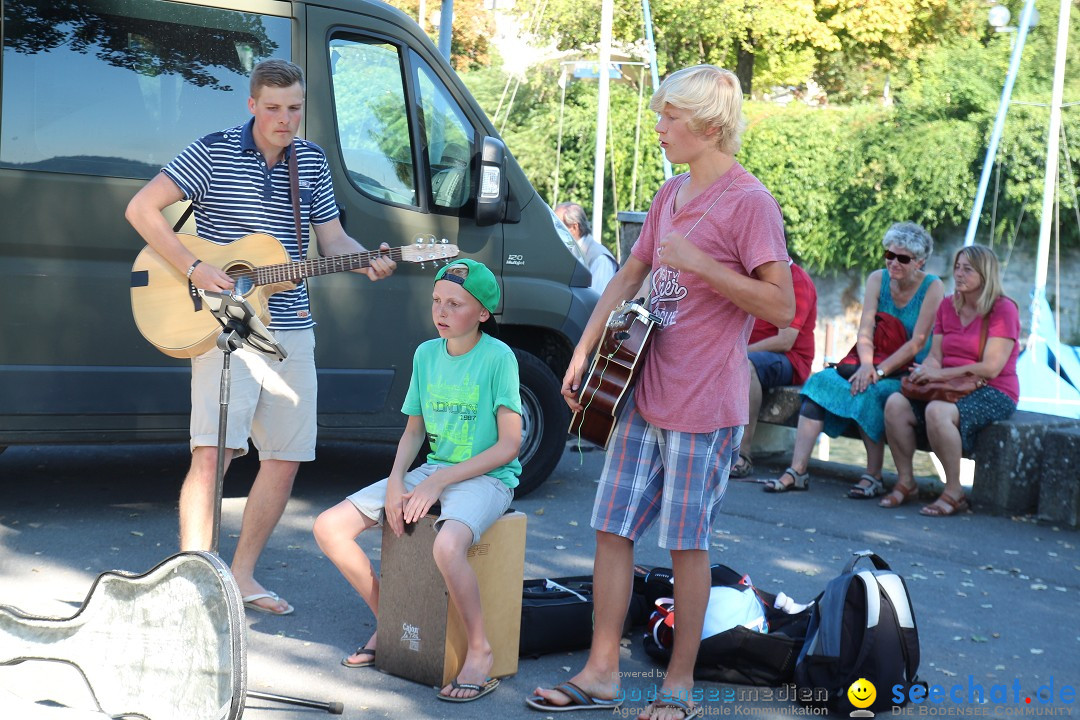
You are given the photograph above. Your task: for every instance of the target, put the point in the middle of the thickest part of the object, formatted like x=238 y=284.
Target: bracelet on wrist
x=192 y=268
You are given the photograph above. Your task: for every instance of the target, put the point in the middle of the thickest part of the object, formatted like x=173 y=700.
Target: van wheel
x=544 y=419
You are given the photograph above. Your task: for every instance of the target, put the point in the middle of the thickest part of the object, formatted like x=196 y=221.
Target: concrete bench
x=1023 y=465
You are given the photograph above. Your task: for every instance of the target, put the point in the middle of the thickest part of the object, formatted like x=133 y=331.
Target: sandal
x=800 y=481
x=900 y=494
x=859 y=491
x=946 y=505
x=742 y=468
x=368 y=655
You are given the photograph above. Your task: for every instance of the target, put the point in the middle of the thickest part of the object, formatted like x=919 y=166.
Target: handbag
x=889 y=335
x=950 y=389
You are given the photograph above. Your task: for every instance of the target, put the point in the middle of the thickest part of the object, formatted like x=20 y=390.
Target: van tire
x=545 y=417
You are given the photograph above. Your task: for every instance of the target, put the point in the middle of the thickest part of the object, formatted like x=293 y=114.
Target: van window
x=372 y=120
x=119 y=87
x=377 y=134
x=448 y=139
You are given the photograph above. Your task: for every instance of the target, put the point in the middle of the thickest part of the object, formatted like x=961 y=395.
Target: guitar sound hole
x=244 y=285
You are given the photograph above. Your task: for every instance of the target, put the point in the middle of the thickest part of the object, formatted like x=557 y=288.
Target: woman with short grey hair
x=832 y=402
x=911 y=237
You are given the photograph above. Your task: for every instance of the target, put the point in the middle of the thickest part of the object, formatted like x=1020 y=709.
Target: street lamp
x=999 y=19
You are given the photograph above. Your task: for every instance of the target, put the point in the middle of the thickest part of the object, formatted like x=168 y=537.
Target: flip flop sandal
x=369 y=652
x=250 y=602
x=862 y=492
x=744 y=467
x=681 y=705
x=899 y=495
x=481 y=690
x=579 y=700
x=801 y=481
x=945 y=506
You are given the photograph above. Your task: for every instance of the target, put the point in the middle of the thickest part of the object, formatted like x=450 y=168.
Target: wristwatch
x=880 y=373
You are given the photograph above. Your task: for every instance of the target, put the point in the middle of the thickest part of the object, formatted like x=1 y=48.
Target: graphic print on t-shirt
x=451 y=417
x=667 y=291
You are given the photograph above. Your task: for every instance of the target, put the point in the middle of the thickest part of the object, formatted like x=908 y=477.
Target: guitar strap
x=294 y=192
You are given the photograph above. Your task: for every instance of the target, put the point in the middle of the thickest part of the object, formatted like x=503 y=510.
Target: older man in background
x=601 y=263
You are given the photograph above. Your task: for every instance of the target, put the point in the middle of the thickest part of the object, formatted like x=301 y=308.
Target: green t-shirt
x=459 y=396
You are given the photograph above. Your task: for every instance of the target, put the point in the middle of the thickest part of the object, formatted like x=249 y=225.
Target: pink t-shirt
x=960 y=345
x=694 y=378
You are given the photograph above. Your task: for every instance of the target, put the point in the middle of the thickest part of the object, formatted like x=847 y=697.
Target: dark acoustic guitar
x=166 y=645
x=614 y=369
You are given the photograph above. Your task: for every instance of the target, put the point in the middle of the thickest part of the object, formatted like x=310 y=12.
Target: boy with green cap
x=464 y=398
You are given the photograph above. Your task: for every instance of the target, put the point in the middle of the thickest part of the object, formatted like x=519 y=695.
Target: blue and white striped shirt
x=235 y=194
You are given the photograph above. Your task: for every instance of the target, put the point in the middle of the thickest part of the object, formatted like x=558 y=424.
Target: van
x=98 y=95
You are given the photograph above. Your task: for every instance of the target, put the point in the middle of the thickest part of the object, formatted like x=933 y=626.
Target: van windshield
x=119 y=87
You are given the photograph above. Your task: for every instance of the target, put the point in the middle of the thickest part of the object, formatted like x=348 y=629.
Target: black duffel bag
x=740 y=655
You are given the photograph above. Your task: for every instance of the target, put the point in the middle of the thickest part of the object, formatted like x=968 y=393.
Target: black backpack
x=739 y=654
x=862 y=626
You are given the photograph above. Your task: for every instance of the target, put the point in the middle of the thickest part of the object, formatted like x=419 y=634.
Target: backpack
x=763 y=654
x=861 y=626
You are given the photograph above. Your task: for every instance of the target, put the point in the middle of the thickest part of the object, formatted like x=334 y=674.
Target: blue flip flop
x=579 y=700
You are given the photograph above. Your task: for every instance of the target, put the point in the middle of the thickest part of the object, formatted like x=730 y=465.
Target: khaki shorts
x=273 y=402
x=477 y=502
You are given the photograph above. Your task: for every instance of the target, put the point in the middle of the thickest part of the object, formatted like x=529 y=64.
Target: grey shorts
x=477 y=502
x=272 y=402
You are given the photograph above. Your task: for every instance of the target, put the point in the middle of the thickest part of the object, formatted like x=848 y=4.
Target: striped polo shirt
x=235 y=194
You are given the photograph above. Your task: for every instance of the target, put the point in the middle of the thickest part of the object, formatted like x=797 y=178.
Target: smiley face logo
x=862 y=693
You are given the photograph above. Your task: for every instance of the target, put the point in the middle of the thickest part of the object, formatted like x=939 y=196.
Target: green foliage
x=563 y=170
x=842 y=175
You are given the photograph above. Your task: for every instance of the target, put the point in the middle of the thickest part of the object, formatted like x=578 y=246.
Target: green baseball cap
x=480 y=282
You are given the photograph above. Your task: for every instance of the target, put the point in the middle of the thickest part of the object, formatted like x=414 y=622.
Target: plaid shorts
x=679 y=477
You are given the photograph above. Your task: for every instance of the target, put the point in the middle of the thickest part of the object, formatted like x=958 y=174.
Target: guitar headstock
x=428 y=249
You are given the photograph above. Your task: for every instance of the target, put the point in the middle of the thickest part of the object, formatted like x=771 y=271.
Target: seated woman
x=958 y=335
x=832 y=402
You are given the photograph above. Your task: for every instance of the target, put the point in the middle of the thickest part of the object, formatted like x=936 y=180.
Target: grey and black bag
x=862 y=626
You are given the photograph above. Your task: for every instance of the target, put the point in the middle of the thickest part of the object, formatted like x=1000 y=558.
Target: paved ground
x=996 y=598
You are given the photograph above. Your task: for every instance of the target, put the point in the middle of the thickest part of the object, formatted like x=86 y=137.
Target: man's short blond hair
x=713 y=96
x=275 y=72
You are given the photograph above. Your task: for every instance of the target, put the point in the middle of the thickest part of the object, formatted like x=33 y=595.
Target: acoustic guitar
x=168 y=644
x=615 y=366
x=172 y=316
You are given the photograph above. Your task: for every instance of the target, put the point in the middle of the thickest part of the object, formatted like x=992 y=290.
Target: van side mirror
x=491 y=200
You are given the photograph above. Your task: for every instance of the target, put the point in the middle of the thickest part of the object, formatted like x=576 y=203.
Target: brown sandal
x=946 y=505
x=899 y=495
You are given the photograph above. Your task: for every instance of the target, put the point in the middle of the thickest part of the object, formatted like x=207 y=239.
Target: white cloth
x=600 y=261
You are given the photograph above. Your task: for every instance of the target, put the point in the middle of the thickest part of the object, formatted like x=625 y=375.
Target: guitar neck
x=298 y=270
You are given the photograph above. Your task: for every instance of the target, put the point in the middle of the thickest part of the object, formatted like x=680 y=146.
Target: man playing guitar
x=238 y=181
x=714 y=243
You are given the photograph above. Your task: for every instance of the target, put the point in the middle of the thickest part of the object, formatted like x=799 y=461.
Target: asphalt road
x=996 y=598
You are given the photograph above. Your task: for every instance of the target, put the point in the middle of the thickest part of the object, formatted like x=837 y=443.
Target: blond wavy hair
x=713 y=96
x=985 y=262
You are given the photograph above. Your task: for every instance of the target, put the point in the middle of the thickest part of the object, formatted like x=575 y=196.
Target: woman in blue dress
x=830 y=402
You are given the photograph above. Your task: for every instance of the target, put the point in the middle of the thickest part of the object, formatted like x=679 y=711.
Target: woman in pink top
x=951 y=427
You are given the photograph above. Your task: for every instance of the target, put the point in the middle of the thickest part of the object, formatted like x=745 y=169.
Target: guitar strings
x=282 y=271
x=607 y=362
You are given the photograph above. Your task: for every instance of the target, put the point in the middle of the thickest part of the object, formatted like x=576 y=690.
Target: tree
x=772 y=42
x=474 y=25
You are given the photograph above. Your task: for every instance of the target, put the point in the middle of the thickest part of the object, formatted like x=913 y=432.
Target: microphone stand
x=240 y=326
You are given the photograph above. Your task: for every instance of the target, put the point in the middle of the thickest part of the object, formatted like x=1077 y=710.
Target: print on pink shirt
x=666 y=294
